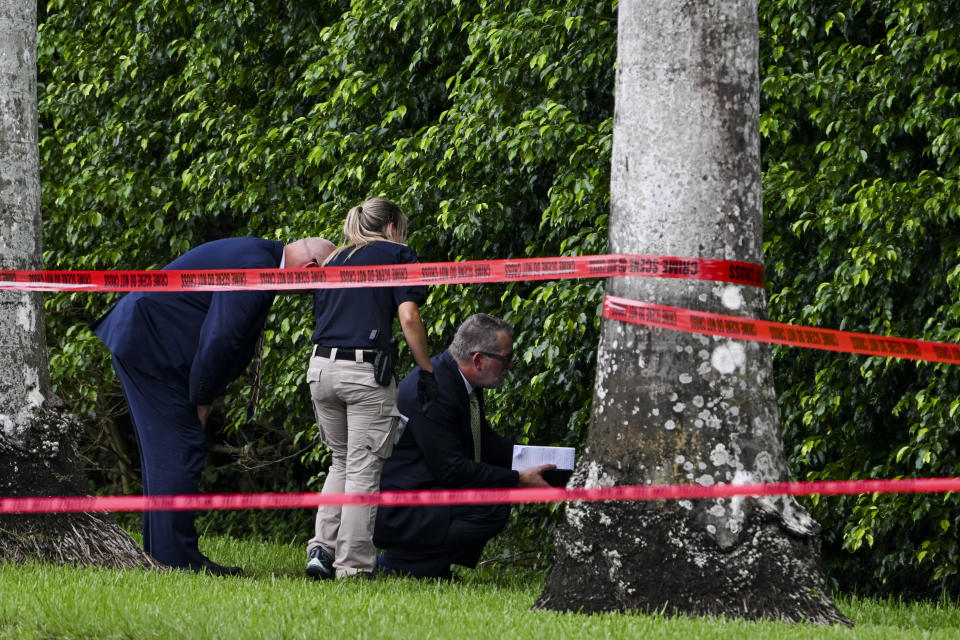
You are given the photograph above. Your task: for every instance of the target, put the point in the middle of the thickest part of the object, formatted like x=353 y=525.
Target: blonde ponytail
x=367 y=223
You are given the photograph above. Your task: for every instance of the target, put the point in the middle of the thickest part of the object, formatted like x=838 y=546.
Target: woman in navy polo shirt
x=357 y=417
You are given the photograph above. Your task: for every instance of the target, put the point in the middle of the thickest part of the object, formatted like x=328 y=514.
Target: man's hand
x=427 y=390
x=533 y=477
x=203 y=410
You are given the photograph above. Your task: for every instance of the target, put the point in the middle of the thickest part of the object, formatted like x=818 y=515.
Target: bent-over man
x=175 y=352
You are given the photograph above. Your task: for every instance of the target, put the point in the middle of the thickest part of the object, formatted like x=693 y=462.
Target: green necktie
x=475 y=424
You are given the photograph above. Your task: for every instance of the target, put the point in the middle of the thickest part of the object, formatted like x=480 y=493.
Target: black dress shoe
x=211 y=567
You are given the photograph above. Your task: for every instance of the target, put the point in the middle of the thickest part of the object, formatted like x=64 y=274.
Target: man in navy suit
x=451 y=446
x=175 y=352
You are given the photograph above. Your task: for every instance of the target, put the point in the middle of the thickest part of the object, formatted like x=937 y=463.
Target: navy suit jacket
x=206 y=337
x=436 y=452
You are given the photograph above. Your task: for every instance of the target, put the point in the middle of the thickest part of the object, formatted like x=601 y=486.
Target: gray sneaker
x=320 y=566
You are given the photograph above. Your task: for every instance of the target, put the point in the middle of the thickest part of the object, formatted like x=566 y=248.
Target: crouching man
x=451 y=446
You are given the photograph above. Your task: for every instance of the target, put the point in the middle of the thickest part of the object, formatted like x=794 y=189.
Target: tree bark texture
x=671 y=407
x=24 y=383
x=38 y=437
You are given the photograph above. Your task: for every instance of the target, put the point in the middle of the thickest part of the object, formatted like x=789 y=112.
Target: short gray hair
x=478 y=333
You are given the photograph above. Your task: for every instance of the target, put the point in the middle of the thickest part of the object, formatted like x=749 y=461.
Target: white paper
x=525 y=456
x=402 y=421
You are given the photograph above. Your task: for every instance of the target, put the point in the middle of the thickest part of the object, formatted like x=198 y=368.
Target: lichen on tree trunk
x=650 y=557
x=668 y=410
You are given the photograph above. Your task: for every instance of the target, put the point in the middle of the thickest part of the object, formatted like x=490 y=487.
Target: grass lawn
x=276 y=600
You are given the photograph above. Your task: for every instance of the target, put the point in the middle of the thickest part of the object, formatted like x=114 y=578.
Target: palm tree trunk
x=675 y=408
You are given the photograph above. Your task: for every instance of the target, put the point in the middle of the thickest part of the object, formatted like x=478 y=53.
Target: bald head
x=307 y=252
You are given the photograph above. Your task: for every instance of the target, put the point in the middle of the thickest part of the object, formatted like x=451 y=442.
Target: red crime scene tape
x=469 y=496
x=655 y=315
x=433 y=273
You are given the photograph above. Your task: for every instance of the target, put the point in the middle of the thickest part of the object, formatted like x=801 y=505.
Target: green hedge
x=860 y=105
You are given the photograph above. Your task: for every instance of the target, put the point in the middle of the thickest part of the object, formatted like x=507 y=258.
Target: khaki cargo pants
x=357 y=419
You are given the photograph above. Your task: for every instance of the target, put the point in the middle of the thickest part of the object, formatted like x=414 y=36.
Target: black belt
x=345 y=354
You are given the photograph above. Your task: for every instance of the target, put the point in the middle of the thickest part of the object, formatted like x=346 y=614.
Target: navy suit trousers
x=171 y=441
x=470 y=529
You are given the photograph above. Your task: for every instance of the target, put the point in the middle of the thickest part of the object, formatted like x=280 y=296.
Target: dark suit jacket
x=207 y=337
x=436 y=452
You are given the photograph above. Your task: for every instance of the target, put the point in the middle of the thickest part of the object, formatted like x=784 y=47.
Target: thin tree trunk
x=671 y=407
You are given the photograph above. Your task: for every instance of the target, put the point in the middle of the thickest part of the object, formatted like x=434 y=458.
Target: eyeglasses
x=506 y=360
